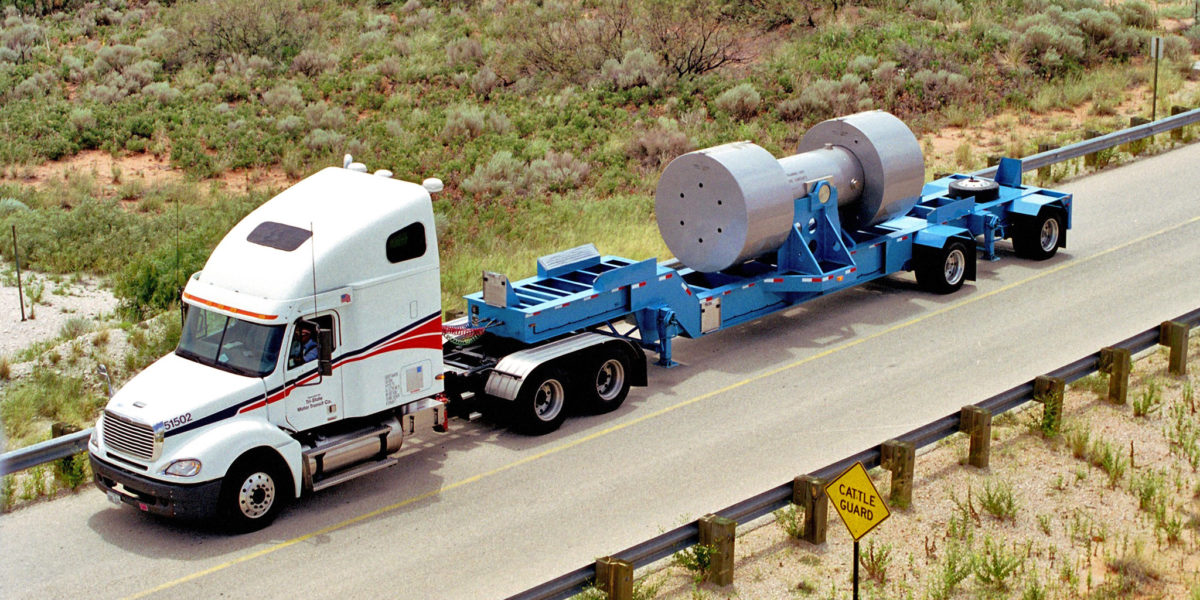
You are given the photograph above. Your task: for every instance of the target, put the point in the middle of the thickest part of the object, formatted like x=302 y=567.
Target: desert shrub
x=637 y=68
x=825 y=98
x=464 y=122
x=741 y=101
x=324 y=116
x=502 y=175
x=557 y=172
x=863 y=65
x=693 y=37
x=1052 y=49
x=1176 y=48
x=464 y=51
x=114 y=58
x=161 y=91
x=655 y=146
x=593 y=36
x=21 y=39
x=484 y=82
x=291 y=124
x=313 y=62
x=323 y=139
x=941 y=87
x=1136 y=13
x=939 y=10
x=37 y=85
x=216 y=29
x=283 y=96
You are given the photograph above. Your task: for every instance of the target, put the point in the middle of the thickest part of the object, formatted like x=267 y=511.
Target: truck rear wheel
x=253 y=494
x=608 y=383
x=541 y=406
x=944 y=272
x=1038 y=238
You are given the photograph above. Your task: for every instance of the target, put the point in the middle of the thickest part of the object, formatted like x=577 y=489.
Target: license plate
x=114 y=497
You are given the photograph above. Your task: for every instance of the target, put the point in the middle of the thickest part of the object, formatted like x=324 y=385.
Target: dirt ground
x=1080 y=526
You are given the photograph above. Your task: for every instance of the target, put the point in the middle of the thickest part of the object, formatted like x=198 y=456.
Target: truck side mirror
x=325 y=351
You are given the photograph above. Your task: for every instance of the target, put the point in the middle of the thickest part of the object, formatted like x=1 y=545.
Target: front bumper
x=195 y=501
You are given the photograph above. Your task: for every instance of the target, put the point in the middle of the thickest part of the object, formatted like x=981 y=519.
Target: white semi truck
x=313 y=341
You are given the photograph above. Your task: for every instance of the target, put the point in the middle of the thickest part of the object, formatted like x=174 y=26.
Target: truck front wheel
x=253 y=494
x=541 y=406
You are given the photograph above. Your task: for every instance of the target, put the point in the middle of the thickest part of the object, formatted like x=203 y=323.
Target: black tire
x=982 y=190
x=944 y=271
x=1038 y=238
x=254 y=492
x=541 y=405
x=606 y=383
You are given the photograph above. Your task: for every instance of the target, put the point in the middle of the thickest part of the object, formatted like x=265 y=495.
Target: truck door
x=311 y=399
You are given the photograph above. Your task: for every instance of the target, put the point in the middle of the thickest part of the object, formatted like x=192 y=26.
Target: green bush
x=741 y=101
x=217 y=29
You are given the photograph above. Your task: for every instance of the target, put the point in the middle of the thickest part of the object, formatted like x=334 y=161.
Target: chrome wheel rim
x=955 y=266
x=1049 y=235
x=256 y=495
x=548 y=401
x=610 y=379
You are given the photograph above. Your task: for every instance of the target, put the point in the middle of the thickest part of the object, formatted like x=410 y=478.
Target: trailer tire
x=541 y=405
x=607 y=384
x=945 y=270
x=254 y=492
x=1038 y=238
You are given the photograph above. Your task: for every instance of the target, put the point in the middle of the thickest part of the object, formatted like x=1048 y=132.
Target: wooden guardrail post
x=1044 y=172
x=1177 y=133
x=718 y=533
x=976 y=422
x=614 y=577
x=1091 y=160
x=1049 y=391
x=899 y=458
x=1174 y=335
x=808 y=493
x=1117 y=363
x=1137 y=146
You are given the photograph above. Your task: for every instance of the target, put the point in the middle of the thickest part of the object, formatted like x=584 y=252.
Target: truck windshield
x=228 y=343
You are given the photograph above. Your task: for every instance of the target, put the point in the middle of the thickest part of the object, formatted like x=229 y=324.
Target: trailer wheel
x=541 y=405
x=943 y=272
x=253 y=493
x=1038 y=238
x=608 y=384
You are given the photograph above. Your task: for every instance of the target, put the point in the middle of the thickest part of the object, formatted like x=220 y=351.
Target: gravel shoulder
x=58 y=302
x=1109 y=508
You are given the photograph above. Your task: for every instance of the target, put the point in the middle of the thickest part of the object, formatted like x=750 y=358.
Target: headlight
x=187 y=467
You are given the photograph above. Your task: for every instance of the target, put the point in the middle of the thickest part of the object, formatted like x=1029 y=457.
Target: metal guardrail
x=1116 y=138
x=44 y=452
x=67 y=445
x=688 y=535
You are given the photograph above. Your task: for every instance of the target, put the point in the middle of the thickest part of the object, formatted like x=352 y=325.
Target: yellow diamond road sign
x=854 y=498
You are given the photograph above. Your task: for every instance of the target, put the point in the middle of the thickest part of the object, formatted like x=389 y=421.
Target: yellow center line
x=655 y=414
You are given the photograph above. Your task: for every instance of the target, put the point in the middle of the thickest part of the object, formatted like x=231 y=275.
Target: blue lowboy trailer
x=577 y=330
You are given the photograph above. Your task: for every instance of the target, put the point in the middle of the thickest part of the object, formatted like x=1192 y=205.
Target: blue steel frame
x=818 y=258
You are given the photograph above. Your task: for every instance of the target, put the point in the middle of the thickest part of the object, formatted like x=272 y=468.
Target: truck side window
x=406 y=244
x=304 y=340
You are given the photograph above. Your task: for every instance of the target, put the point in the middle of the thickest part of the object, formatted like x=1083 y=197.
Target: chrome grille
x=127 y=436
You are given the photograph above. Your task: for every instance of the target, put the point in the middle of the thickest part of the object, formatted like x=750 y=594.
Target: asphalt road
x=482 y=513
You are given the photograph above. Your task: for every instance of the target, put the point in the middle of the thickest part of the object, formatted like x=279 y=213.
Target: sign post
x=859 y=504
x=1156 y=51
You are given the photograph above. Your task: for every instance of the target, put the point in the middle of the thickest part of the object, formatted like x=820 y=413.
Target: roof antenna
x=178 y=283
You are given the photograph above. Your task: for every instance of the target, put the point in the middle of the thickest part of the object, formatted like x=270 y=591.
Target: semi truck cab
x=311 y=342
